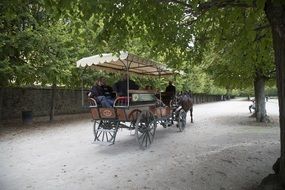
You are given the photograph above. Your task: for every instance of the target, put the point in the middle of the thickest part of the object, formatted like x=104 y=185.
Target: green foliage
x=217 y=48
x=238 y=46
x=271 y=91
x=228 y=43
x=35 y=46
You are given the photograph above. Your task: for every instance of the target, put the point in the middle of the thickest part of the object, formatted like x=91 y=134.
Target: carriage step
x=103 y=143
x=107 y=130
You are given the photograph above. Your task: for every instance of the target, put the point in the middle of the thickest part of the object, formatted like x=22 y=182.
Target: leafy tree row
x=225 y=44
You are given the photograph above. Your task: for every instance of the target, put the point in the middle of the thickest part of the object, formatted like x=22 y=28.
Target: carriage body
x=140 y=110
x=124 y=107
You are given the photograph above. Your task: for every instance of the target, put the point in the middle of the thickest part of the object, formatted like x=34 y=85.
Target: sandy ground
x=223 y=149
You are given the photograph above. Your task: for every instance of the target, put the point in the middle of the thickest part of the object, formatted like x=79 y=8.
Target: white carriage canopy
x=125 y=62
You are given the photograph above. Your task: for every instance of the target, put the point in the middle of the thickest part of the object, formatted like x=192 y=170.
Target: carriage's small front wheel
x=145 y=129
x=181 y=120
x=105 y=131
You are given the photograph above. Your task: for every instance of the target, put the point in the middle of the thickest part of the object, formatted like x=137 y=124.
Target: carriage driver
x=170 y=89
x=102 y=93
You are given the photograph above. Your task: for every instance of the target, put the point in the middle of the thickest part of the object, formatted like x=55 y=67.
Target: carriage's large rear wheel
x=105 y=131
x=145 y=129
x=133 y=117
x=181 y=120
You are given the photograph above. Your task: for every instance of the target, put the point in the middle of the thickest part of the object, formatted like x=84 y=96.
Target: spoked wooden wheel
x=105 y=131
x=133 y=116
x=181 y=120
x=145 y=129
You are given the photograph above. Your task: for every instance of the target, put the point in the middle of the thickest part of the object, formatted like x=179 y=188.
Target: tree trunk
x=52 y=102
x=1 y=102
x=260 y=110
x=275 y=13
x=228 y=93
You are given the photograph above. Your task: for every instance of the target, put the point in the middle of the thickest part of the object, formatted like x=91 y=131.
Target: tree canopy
x=43 y=39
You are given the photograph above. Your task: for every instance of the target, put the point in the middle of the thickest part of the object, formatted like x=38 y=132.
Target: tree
x=275 y=12
x=35 y=46
x=231 y=69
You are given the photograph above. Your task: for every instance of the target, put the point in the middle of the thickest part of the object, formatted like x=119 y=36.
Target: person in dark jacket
x=170 y=89
x=121 y=87
x=102 y=93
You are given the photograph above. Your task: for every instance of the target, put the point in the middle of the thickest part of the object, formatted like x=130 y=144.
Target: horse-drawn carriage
x=140 y=110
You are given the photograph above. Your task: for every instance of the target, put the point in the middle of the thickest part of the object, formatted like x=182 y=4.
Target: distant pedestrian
x=252 y=106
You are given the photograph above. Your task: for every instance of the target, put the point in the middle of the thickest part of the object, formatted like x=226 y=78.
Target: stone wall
x=38 y=100
x=203 y=98
x=15 y=100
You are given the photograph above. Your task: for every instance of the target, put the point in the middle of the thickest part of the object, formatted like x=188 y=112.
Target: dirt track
x=224 y=149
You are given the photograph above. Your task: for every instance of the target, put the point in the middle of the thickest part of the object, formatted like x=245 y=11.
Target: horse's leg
x=191 y=114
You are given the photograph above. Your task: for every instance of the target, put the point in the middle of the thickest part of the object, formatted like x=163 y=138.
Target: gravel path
x=223 y=149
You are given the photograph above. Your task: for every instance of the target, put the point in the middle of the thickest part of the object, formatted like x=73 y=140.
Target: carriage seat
x=122 y=101
x=93 y=103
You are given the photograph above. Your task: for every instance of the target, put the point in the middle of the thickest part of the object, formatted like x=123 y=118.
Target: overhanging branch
x=262 y=27
x=225 y=3
x=214 y=4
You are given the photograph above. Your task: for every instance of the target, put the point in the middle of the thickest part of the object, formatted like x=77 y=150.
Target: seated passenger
x=121 y=87
x=102 y=93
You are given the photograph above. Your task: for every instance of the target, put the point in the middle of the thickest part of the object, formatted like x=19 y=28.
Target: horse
x=185 y=100
x=181 y=100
